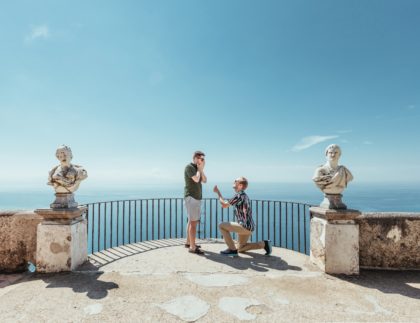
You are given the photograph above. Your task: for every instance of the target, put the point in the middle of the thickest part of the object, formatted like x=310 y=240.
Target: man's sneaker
x=229 y=252
x=267 y=247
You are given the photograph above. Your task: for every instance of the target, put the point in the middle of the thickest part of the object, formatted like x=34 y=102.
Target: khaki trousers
x=243 y=236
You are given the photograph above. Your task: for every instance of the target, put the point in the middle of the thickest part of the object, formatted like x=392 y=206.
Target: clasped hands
x=200 y=166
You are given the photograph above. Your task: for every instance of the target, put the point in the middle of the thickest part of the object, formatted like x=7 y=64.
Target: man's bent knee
x=222 y=225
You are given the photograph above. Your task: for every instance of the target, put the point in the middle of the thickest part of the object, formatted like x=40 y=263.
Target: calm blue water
x=364 y=197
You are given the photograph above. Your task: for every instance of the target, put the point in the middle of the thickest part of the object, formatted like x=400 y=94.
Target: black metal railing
x=115 y=223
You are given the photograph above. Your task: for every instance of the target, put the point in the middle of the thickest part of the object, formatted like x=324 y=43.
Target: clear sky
x=134 y=87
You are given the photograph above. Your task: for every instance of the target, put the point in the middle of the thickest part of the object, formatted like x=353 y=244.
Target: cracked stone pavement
x=162 y=282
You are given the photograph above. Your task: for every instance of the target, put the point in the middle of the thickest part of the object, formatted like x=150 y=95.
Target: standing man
x=244 y=225
x=194 y=176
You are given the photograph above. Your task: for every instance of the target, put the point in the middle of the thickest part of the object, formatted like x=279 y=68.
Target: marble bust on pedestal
x=65 y=178
x=62 y=235
x=332 y=179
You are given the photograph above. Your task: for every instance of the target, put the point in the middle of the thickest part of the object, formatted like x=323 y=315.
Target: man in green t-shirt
x=194 y=176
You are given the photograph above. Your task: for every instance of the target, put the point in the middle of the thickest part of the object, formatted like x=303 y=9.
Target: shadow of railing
x=107 y=256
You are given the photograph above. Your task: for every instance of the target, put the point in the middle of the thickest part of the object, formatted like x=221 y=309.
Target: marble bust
x=66 y=177
x=331 y=178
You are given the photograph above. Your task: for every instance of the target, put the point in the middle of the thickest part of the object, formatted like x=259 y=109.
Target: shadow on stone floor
x=257 y=262
x=88 y=283
x=7 y=279
x=108 y=256
x=406 y=283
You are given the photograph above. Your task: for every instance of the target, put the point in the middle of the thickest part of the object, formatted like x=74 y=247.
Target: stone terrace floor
x=159 y=281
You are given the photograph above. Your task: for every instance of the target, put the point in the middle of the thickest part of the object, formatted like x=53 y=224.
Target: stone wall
x=389 y=240
x=18 y=231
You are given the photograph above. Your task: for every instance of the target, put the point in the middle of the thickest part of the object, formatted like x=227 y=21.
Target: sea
x=366 y=197
x=110 y=231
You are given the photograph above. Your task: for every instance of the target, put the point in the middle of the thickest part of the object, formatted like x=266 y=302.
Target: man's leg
x=225 y=229
x=192 y=233
x=193 y=207
x=244 y=245
x=187 y=207
x=188 y=232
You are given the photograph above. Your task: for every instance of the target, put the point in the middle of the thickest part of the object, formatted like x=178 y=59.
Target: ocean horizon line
x=123 y=186
x=398 y=197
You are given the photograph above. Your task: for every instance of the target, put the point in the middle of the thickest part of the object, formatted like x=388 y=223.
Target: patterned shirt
x=243 y=210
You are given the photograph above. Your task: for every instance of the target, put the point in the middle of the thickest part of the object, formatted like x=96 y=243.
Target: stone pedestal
x=333 y=201
x=64 y=201
x=335 y=240
x=61 y=240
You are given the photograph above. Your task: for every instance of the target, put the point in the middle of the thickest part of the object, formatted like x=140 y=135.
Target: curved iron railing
x=115 y=223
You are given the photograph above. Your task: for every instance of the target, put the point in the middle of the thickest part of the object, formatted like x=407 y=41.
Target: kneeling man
x=244 y=225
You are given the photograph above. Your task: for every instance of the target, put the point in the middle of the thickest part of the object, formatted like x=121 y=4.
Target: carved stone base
x=61 y=215
x=61 y=240
x=64 y=201
x=333 y=202
x=61 y=247
x=335 y=240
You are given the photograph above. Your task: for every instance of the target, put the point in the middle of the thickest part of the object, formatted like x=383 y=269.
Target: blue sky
x=134 y=87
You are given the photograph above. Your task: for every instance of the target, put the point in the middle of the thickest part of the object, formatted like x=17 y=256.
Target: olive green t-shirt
x=192 y=188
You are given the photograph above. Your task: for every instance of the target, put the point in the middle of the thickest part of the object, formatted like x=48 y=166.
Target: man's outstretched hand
x=216 y=190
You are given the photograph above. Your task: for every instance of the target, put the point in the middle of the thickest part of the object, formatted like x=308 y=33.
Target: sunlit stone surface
x=93 y=309
x=217 y=280
x=237 y=306
x=188 y=308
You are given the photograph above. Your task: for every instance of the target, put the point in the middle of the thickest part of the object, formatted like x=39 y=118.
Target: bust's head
x=333 y=152
x=64 y=154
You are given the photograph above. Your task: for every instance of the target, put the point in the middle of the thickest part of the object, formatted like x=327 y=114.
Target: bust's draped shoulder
x=51 y=174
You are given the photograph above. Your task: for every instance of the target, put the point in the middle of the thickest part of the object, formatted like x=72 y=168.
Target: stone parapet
x=389 y=240
x=17 y=239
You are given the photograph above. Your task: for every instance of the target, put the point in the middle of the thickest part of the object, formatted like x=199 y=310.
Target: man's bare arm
x=223 y=202
x=200 y=168
x=196 y=178
x=203 y=177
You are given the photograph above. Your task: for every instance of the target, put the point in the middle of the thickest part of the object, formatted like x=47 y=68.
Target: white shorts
x=193 y=207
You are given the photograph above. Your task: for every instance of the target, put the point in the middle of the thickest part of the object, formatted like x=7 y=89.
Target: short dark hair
x=242 y=180
x=198 y=153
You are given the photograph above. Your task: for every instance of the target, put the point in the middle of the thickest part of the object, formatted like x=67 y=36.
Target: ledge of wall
x=17 y=239
x=389 y=240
